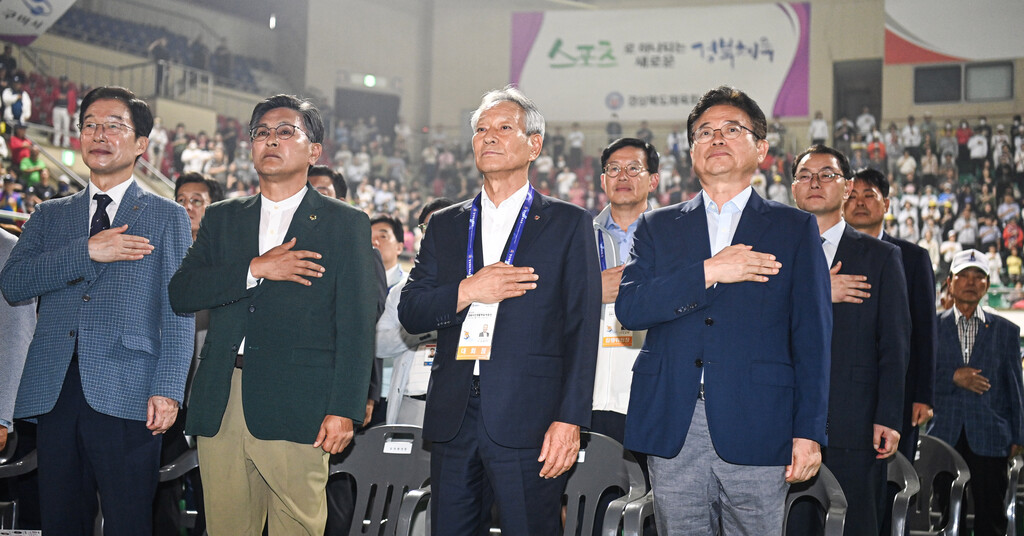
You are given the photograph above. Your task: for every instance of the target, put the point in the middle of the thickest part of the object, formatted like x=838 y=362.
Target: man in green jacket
x=289 y=280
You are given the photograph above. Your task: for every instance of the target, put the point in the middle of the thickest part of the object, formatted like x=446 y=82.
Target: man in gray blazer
x=17 y=321
x=106 y=369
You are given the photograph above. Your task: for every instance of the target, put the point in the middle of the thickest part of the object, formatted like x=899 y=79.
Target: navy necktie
x=100 y=220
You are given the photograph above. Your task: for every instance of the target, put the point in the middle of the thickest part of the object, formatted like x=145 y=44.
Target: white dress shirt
x=496 y=223
x=831 y=242
x=275 y=218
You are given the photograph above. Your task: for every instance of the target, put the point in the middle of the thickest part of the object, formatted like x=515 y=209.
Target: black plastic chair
x=390 y=468
x=936 y=457
x=9 y=469
x=602 y=464
x=1016 y=464
x=901 y=473
x=182 y=465
x=826 y=491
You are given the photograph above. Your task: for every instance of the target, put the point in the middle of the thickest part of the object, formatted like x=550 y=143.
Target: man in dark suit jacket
x=506 y=429
x=105 y=373
x=978 y=389
x=865 y=210
x=729 y=391
x=289 y=280
x=870 y=337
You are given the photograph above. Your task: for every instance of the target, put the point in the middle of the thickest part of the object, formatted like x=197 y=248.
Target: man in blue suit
x=730 y=389
x=504 y=412
x=978 y=389
x=870 y=337
x=106 y=369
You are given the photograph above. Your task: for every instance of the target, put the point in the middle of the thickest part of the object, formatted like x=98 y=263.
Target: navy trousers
x=471 y=473
x=82 y=451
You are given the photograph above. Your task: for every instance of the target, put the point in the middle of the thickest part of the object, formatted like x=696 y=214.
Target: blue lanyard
x=517 y=231
x=600 y=250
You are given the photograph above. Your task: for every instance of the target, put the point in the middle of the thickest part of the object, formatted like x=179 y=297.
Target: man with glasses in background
x=106 y=370
x=729 y=392
x=289 y=280
x=870 y=344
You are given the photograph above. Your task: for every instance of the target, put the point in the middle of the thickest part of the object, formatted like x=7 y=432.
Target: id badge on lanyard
x=478 y=327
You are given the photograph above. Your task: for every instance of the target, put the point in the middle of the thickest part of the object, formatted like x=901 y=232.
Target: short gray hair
x=509 y=93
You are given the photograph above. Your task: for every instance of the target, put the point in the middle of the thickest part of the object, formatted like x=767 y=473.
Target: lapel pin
x=536 y=217
x=312 y=217
x=136 y=207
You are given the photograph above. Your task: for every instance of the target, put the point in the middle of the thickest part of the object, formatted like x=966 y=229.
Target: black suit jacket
x=869 y=344
x=545 y=342
x=920 y=385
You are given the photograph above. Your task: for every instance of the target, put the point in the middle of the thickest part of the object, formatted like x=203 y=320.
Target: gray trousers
x=698 y=493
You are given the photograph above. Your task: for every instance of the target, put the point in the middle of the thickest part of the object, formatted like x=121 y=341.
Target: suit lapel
x=849 y=246
x=79 y=227
x=753 y=221
x=693 y=224
x=306 y=217
x=247 y=219
x=535 y=223
x=132 y=205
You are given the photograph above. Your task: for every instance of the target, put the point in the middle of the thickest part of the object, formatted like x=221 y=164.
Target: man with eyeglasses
x=106 y=370
x=289 y=280
x=195 y=192
x=729 y=391
x=630 y=176
x=870 y=344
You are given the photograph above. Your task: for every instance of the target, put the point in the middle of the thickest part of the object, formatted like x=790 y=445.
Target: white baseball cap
x=969 y=258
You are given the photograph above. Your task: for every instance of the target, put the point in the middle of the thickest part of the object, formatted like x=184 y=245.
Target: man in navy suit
x=505 y=416
x=978 y=391
x=106 y=370
x=870 y=337
x=864 y=210
x=730 y=389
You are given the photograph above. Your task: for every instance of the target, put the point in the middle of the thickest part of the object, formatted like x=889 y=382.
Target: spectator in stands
x=161 y=56
x=11 y=200
x=17 y=102
x=929 y=132
x=977 y=147
x=910 y=138
x=614 y=128
x=575 y=140
x=249 y=462
x=565 y=180
x=818 y=130
x=221 y=63
x=217 y=166
x=645 y=133
x=907 y=165
x=199 y=54
x=1014 y=265
x=157 y=144
x=966 y=227
x=242 y=170
x=931 y=245
x=866 y=124
x=929 y=168
x=948 y=249
x=20 y=146
x=194 y=158
x=989 y=234
x=124 y=340
x=30 y=166
x=65 y=98
x=978 y=405
x=41 y=192
x=7 y=61
x=995 y=267
x=557 y=143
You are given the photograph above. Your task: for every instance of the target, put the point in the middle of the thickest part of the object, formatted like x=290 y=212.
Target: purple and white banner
x=655 y=63
x=22 y=21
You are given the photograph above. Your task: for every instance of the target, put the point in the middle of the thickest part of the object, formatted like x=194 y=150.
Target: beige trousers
x=248 y=480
